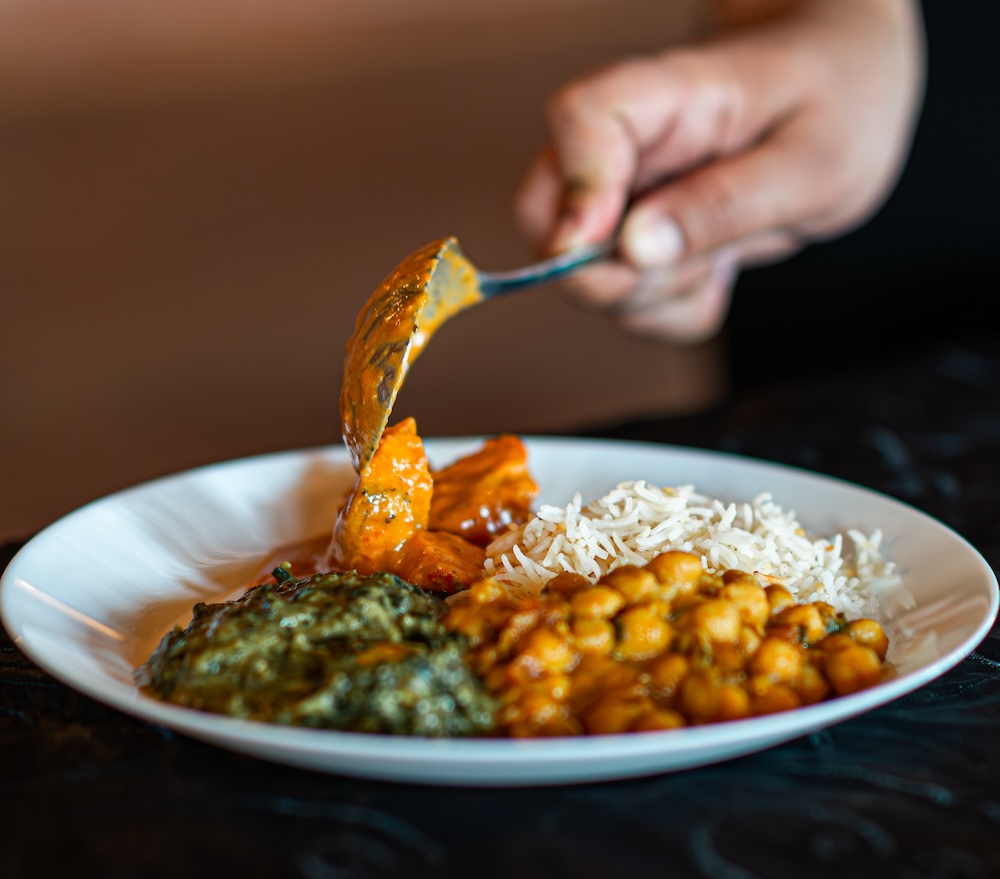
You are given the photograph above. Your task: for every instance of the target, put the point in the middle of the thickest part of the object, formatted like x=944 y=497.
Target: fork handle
x=498 y=283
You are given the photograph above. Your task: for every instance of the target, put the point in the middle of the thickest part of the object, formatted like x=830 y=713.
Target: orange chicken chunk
x=440 y=561
x=479 y=495
x=390 y=503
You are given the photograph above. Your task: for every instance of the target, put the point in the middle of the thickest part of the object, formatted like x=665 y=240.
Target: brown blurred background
x=196 y=199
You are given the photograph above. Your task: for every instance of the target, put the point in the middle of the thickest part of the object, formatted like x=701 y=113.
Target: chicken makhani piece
x=480 y=495
x=430 y=528
x=440 y=561
x=391 y=501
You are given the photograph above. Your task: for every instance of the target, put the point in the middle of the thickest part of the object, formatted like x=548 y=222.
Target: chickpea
x=770 y=697
x=540 y=707
x=666 y=674
x=484 y=658
x=734 y=577
x=730 y=659
x=709 y=585
x=852 y=669
x=674 y=567
x=659 y=719
x=642 y=632
x=566 y=583
x=777 y=660
x=715 y=619
x=810 y=684
x=597 y=602
x=498 y=680
x=466 y=619
x=517 y=625
x=635 y=584
x=555 y=686
x=486 y=591
x=555 y=611
x=544 y=652
x=836 y=641
x=699 y=699
x=805 y=619
x=734 y=702
x=750 y=640
x=594 y=636
x=749 y=597
x=870 y=634
x=556 y=726
x=611 y=715
x=606 y=672
x=828 y=613
x=597 y=676
x=778 y=597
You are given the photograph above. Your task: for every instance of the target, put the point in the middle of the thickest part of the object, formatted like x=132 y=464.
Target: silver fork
x=497 y=283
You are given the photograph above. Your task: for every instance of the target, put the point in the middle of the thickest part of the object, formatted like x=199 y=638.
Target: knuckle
x=570 y=103
x=718 y=213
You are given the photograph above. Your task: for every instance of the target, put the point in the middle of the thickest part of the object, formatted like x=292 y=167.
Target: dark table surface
x=911 y=789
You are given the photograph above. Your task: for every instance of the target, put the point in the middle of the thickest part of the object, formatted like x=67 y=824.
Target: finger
x=695 y=317
x=655 y=287
x=538 y=200
x=596 y=154
x=782 y=185
x=615 y=288
x=765 y=248
x=757 y=249
x=634 y=124
x=642 y=299
x=604 y=286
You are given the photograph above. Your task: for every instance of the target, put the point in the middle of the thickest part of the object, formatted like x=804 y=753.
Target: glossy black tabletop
x=910 y=790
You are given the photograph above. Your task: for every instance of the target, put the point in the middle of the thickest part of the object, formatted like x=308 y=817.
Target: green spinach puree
x=336 y=651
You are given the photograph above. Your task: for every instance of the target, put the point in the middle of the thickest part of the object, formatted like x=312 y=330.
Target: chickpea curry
x=658 y=647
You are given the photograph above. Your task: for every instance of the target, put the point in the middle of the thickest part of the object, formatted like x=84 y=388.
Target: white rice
x=636 y=521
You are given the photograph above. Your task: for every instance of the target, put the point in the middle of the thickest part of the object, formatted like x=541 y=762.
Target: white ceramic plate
x=90 y=597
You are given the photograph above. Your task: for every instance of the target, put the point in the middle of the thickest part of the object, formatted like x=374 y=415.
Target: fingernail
x=568 y=235
x=652 y=240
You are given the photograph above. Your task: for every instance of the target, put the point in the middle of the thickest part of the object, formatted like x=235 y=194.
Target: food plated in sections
x=650 y=608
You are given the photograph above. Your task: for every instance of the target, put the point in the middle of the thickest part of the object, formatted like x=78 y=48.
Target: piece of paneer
x=479 y=495
x=390 y=503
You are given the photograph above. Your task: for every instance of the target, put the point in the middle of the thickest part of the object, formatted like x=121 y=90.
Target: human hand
x=732 y=153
